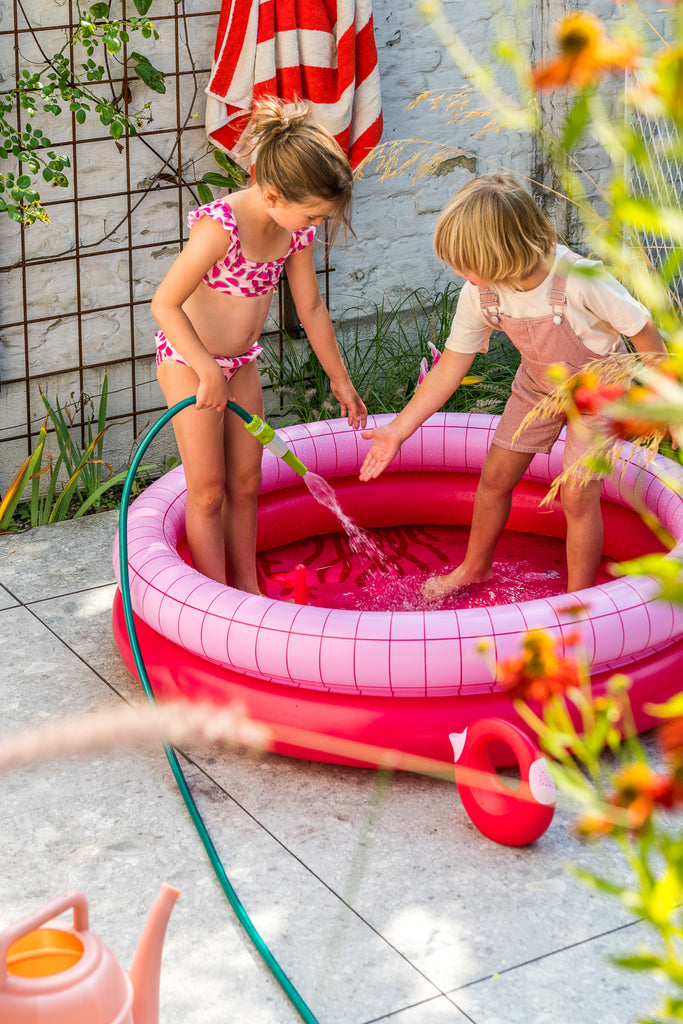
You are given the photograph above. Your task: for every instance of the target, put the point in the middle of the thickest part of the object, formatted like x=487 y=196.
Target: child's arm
x=206 y=245
x=442 y=380
x=317 y=324
x=649 y=340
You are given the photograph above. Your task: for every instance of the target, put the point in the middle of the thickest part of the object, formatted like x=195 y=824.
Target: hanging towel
x=322 y=51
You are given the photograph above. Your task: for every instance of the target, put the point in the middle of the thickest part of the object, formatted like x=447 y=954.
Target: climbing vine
x=65 y=85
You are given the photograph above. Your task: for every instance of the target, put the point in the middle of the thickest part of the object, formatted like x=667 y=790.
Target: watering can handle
x=41 y=916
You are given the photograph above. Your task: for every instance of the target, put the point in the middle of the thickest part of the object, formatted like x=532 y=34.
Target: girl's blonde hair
x=301 y=160
x=493 y=230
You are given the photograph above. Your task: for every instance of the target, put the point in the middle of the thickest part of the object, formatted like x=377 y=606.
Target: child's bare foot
x=438 y=587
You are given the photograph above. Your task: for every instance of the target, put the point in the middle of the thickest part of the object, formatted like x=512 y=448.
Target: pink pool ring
x=345 y=685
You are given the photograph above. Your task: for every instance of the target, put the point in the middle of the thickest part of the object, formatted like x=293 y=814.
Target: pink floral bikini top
x=234 y=274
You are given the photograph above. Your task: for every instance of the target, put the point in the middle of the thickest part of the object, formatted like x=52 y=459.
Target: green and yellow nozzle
x=264 y=433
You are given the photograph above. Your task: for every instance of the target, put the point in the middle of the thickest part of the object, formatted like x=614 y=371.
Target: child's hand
x=213 y=392
x=351 y=404
x=385 y=446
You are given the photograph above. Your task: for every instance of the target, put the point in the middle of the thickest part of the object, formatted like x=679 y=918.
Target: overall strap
x=557 y=294
x=489 y=304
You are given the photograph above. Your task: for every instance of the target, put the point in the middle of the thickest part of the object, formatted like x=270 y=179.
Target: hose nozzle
x=264 y=433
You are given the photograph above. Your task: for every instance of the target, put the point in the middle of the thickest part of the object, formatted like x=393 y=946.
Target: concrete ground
x=381 y=903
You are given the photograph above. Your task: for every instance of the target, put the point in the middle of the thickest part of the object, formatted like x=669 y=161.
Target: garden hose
x=267 y=437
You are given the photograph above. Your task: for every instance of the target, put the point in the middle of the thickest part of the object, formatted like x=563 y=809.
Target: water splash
x=360 y=541
x=528 y=567
x=510 y=583
x=350 y=569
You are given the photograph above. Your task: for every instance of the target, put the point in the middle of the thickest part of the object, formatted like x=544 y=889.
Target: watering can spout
x=146 y=968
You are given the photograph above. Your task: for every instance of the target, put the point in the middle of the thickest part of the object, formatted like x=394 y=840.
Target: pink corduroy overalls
x=542 y=342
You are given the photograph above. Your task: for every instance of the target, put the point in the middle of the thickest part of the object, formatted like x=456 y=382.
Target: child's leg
x=581 y=505
x=201 y=443
x=501 y=472
x=243 y=455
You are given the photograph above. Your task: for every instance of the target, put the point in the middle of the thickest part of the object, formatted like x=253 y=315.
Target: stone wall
x=75 y=293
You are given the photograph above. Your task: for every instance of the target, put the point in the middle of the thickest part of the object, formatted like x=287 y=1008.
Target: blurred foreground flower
x=130 y=727
x=585 y=53
x=670 y=738
x=637 y=792
x=540 y=672
x=590 y=394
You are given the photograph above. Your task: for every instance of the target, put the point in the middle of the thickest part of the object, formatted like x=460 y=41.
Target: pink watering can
x=63 y=975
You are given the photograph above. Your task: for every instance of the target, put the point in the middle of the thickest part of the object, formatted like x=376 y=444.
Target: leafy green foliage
x=77 y=480
x=146 y=72
x=64 y=88
x=229 y=177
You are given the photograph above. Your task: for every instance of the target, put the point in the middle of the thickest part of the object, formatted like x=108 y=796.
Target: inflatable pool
x=344 y=685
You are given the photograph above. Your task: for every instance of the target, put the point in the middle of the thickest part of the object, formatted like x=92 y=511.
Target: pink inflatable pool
x=326 y=679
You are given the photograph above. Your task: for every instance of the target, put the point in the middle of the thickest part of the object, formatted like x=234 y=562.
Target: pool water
x=387 y=575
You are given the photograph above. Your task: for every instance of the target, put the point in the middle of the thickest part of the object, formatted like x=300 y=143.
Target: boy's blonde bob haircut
x=493 y=230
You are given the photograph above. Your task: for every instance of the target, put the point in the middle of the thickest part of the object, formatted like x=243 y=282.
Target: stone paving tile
x=113 y=826
x=6 y=599
x=63 y=558
x=573 y=986
x=83 y=621
x=380 y=900
x=406 y=856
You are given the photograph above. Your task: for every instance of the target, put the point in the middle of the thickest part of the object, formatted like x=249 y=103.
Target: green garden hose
x=269 y=439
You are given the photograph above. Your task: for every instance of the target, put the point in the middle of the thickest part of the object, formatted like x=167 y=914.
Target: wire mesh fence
x=658 y=178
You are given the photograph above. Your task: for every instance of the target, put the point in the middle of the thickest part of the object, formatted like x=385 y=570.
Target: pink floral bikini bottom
x=228 y=364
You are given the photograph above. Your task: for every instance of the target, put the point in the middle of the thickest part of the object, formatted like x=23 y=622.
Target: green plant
x=599 y=760
x=631 y=218
x=63 y=87
x=383 y=354
x=230 y=176
x=88 y=476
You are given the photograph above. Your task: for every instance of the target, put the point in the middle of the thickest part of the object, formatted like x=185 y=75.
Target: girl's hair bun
x=300 y=159
x=273 y=117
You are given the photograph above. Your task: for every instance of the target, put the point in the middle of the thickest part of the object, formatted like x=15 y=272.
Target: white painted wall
x=393 y=219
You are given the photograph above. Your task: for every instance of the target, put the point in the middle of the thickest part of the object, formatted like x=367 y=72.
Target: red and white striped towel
x=322 y=51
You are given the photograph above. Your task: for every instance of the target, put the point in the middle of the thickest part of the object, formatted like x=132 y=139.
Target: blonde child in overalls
x=519 y=281
x=211 y=308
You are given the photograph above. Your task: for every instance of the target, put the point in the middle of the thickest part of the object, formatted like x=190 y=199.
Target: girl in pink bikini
x=211 y=308
x=556 y=308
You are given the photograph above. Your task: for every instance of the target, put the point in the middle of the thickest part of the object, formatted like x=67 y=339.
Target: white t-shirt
x=599 y=309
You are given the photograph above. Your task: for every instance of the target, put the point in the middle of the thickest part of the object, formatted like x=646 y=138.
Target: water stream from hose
x=360 y=541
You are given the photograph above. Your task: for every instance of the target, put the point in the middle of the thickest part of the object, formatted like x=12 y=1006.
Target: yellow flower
x=585 y=52
x=668 y=81
x=578 y=33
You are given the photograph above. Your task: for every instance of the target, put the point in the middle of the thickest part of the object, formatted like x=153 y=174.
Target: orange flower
x=590 y=396
x=639 y=790
x=670 y=738
x=585 y=52
x=637 y=425
x=540 y=672
x=592 y=824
